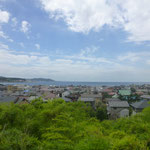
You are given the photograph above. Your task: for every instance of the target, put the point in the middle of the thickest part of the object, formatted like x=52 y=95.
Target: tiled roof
x=119 y=104
x=91 y=95
x=124 y=92
x=112 y=99
x=145 y=96
x=87 y=99
x=66 y=99
x=7 y=99
x=141 y=104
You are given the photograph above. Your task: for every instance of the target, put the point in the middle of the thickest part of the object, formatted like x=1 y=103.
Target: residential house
x=107 y=100
x=145 y=97
x=3 y=87
x=31 y=98
x=115 y=96
x=21 y=100
x=124 y=93
x=89 y=100
x=49 y=95
x=7 y=98
x=93 y=99
x=139 y=106
x=97 y=97
x=117 y=109
x=66 y=99
x=65 y=94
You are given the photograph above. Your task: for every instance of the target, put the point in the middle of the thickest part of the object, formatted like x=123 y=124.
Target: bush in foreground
x=58 y=125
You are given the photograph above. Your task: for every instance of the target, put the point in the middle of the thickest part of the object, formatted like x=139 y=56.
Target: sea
x=69 y=83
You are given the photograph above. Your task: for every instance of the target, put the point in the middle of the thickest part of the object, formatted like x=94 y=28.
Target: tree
x=101 y=113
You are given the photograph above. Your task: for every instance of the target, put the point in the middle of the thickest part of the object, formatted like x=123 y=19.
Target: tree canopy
x=57 y=125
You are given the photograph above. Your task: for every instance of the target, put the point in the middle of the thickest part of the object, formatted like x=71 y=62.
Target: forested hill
x=40 y=79
x=8 y=79
x=57 y=125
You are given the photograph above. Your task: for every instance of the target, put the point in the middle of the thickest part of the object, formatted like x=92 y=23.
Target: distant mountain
x=40 y=79
x=8 y=79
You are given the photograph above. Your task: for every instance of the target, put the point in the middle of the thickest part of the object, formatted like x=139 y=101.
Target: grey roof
x=66 y=99
x=20 y=99
x=31 y=98
x=91 y=96
x=119 y=104
x=87 y=99
x=7 y=99
x=141 y=104
x=145 y=96
x=112 y=99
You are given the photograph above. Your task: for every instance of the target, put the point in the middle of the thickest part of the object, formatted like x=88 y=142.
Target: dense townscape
x=120 y=101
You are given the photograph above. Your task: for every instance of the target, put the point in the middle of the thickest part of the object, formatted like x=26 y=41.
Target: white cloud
x=14 y=58
x=137 y=16
x=130 y=57
x=3 y=46
x=37 y=46
x=25 y=26
x=89 y=54
x=3 y=35
x=132 y=16
x=89 y=51
x=135 y=57
x=73 y=67
x=4 y=16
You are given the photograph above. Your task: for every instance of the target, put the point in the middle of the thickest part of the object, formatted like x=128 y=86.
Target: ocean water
x=64 y=83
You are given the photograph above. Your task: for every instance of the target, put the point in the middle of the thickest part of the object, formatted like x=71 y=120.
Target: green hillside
x=57 y=125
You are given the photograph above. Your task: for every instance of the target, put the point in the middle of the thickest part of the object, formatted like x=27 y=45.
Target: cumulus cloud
x=133 y=16
x=4 y=16
x=25 y=26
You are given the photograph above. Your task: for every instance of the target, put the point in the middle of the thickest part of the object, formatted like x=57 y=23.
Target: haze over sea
x=67 y=83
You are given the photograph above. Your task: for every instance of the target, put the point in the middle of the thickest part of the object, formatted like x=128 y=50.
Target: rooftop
x=125 y=92
x=91 y=95
x=87 y=99
x=145 y=96
x=119 y=104
x=141 y=104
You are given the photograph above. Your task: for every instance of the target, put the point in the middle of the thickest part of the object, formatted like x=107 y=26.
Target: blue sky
x=75 y=40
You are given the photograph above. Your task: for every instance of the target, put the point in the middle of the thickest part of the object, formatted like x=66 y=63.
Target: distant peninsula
x=9 y=79
x=39 y=79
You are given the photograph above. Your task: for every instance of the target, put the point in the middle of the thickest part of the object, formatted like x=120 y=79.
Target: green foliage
x=101 y=113
x=128 y=143
x=57 y=125
x=13 y=139
x=105 y=95
x=93 y=143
